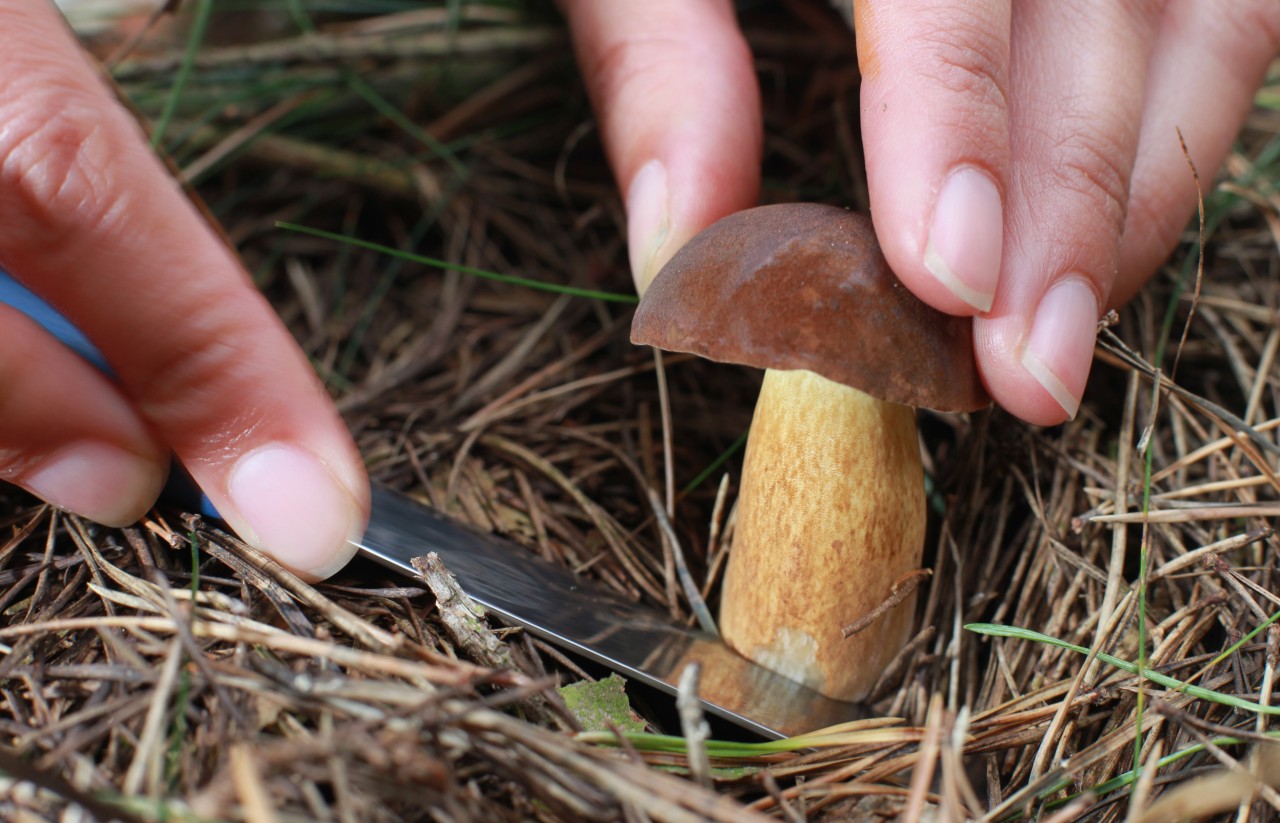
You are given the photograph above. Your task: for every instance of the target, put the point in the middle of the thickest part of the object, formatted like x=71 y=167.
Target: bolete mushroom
x=831 y=509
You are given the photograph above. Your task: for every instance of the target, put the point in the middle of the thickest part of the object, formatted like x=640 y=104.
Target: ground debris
x=171 y=672
x=462 y=617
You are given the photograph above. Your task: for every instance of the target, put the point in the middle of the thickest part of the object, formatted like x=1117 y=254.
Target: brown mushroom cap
x=804 y=286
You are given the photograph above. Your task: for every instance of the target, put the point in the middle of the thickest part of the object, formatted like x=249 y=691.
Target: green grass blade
x=383 y=107
x=1230 y=650
x=733 y=449
x=200 y=22
x=1012 y=632
x=194 y=540
x=824 y=738
x=574 y=291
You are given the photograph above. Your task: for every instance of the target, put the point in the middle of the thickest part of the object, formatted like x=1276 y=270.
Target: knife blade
x=547 y=599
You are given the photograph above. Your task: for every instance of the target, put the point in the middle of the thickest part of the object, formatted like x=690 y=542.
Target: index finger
x=92 y=222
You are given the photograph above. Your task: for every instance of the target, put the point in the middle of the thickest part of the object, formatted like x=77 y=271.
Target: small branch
x=903 y=588
x=462 y=617
x=694 y=725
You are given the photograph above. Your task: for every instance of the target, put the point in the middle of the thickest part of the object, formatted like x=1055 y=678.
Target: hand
x=1022 y=158
x=91 y=221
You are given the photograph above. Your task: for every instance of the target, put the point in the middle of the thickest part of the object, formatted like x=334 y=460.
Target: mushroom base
x=831 y=514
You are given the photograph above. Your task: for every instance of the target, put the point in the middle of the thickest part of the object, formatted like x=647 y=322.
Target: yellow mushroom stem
x=831 y=514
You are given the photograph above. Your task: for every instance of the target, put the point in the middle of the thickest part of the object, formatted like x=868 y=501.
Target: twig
x=902 y=588
x=694 y=725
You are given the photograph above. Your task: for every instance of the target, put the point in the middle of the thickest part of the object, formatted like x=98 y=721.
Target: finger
x=1204 y=72
x=67 y=435
x=675 y=92
x=1078 y=74
x=935 y=130
x=90 y=220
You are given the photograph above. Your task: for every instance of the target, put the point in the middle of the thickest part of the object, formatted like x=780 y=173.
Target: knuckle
x=1257 y=22
x=970 y=61
x=1241 y=44
x=188 y=384
x=634 y=65
x=1154 y=222
x=619 y=64
x=1139 y=15
x=57 y=165
x=1089 y=164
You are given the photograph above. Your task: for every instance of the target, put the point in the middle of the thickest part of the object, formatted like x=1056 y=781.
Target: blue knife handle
x=25 y=301
x=180 y=490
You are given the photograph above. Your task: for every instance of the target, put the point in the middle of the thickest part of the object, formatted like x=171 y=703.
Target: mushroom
x=831 y=509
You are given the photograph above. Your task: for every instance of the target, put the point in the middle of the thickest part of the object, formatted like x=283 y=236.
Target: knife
x=546 y=599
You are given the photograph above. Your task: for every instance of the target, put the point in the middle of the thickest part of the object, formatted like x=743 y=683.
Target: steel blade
x=551 y=602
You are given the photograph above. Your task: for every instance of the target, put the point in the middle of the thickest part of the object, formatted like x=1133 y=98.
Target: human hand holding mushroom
x=1022 y=158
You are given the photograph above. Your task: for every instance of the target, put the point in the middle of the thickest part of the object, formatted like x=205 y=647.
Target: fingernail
x=965 y=239
x=98 y=481
x=648 y=221
x=1059 y=349
x=289 y=504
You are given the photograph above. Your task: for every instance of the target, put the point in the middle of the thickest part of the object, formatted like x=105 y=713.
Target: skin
x=1067 y=110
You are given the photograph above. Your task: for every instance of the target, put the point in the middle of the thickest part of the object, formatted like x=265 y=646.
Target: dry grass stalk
x=251 y=695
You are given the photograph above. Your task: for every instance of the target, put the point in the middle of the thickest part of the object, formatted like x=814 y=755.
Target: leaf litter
x=170 y=672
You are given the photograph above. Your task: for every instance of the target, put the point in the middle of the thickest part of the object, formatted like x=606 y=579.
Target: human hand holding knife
x=547 y=599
